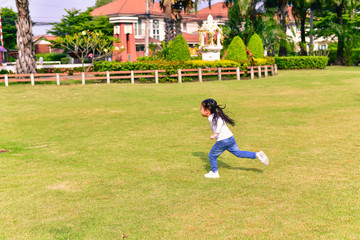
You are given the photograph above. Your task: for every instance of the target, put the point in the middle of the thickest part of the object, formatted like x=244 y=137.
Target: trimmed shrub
x=236 y=50
x=50 y=56
x=178 y=50
x=304 y=62
x=256 y=46
x=264 y=61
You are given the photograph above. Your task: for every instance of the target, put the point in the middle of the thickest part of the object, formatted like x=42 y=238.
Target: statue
x=207 y=32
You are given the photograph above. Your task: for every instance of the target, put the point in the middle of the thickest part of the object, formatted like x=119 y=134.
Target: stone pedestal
x=211 y=53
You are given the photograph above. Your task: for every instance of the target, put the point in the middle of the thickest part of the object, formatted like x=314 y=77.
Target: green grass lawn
x=97 y=161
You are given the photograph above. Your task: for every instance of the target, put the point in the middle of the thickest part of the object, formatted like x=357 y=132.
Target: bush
x=50 y=56
x=178 y=50
x=304 y=62
x=65 y=60
x=256 y=46
x=264 y=61
x=236 y=50
x=355 y=56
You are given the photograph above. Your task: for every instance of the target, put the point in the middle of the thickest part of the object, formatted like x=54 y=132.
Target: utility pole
x=147 y=29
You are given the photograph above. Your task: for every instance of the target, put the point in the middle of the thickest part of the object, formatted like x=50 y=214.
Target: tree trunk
x=303 y=51
x=282 y=13
x=253 y=12
x=26 y=62
x=169 y=30
x=178 y=25
x=341 y=44
x=169 y=23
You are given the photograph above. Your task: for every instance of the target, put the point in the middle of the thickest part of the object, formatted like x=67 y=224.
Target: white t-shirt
x=220 y=128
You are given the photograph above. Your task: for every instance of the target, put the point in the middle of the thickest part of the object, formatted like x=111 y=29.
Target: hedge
x=50 y=56
x=304 y=62
x=354 y=59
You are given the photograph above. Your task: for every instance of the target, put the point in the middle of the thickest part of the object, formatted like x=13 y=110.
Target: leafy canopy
x=8 y=18
x=76 y=21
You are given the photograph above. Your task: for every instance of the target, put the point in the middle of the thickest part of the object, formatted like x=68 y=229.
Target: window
x=137 y=27
x=140 y=48
x=156 y=29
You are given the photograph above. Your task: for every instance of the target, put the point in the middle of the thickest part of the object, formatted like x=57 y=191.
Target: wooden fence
x=260 y=71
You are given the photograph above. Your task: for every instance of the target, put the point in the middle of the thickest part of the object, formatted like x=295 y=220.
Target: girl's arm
x=212 y=137
x=219 y=125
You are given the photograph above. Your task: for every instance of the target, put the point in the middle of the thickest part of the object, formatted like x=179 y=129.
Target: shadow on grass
x=205 y=158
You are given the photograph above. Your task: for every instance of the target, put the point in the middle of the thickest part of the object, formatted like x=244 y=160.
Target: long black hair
x=217 y=110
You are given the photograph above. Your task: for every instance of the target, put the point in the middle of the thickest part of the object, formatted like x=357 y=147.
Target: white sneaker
x=262 y=157
x=212 y=174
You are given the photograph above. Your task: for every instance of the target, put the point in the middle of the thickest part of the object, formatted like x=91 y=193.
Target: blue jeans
x=230 y=145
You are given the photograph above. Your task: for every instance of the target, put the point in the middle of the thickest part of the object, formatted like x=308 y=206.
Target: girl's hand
x=212 y=137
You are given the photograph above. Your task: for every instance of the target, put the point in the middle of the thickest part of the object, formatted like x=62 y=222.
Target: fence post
x=219 y=74
x=6 y=80
x=32 y=79
x=275 y=68
x=57 y=79
x=252 y=72
x=132 y=77
x=179 y=76
x=237 y=73
x=272 y=70
x=108 y=77
x=157 y=76
x=266 y=71
x=259 y=71
x=83 y=78
x=200 y=75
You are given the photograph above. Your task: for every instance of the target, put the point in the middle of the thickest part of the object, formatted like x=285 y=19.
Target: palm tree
x=300 y=10
x=26 y=62
x=282 y=14
x=172 y=11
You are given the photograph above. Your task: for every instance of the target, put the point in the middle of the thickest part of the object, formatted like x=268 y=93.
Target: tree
x=100 y=3
x=8 y=18
x=300 y=10
x=172 y=11
x=347 y=34
x=76 y=21
x=280 y=8
x=338 y=21
x=26 y=62
x=88 y=45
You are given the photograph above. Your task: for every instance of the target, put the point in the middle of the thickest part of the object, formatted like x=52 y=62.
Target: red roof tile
x=127 y=7
x=190 y=38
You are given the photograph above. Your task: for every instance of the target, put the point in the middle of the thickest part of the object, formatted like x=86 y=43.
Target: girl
x=224 y=137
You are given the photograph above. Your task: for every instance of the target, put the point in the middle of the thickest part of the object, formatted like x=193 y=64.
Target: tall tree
x=8 y=18
x=280 y=7
x=300 y=10
x=172 y=11
x=26 y=62
x=337 y=20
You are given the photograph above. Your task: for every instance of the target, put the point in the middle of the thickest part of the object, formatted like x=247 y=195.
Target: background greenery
x=97 y=161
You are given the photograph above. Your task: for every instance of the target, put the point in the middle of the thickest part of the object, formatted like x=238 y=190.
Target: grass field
x=97 y=161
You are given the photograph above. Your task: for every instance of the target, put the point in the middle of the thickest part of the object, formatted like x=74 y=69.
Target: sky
x=53 y=10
